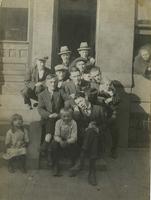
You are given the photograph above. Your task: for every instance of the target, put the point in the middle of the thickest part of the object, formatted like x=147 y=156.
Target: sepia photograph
x=75 y=99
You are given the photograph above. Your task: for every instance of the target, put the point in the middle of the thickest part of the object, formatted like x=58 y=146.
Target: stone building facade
x=114 y=30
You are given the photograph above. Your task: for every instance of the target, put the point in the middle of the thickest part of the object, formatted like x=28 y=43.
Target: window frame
x=28 y=29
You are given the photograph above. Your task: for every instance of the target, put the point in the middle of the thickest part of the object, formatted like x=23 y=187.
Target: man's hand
x=48 y=137
x=108 y=100
x=76 y=108
x=38 y=84
x=72 y=95
x=53 y=115
x=92 y=60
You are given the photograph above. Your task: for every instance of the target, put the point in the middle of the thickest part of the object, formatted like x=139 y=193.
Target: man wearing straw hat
x=65 y=55
x=84 y=53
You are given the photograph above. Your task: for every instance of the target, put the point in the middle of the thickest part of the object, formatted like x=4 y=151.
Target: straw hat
x=84 y=46
x=63 y=50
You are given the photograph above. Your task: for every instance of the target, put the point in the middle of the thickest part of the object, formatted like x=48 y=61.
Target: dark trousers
x=29 y=93
x=91 y=143
x=113 y=129
x=48 y=126
x=70 y=150
x=20 y=160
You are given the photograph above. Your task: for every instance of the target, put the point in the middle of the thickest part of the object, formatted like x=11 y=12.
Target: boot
x=57 y=171
x=78 y=166
x=113 y=153
x=50 y=162
x=92 y=178
x=92 y=173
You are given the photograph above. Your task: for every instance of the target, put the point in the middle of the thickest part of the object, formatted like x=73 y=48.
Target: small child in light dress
x=16 y=143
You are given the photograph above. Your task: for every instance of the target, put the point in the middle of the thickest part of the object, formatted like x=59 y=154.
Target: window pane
x=13 y=23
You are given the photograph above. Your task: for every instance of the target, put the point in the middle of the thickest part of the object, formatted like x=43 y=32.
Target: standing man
x=84 y=53
x=75 y=85
x=65 y=54
x=108 y=96
x=34 y=82
x=91 y=121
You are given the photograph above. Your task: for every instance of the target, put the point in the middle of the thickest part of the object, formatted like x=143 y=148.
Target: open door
x=76 y=23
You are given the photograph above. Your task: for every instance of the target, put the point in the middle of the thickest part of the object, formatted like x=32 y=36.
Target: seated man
x=34 y=82
x=75 y=85
x=84 y=53
x=108 y=96
x=50 y=103
x=91 y=122
x=61 y=71
x=79 y=63
x=65 y=139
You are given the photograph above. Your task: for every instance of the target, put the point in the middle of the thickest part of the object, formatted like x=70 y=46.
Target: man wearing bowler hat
x=65 y=54
x=84 y=53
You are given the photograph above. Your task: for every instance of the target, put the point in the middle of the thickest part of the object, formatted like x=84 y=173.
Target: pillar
x=43 y=27
x=114 y=51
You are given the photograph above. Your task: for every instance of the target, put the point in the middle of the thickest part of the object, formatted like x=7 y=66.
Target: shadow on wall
x=132 y=116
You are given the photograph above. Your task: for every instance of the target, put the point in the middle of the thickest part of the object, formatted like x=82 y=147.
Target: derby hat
x=63 y=50
x=84 y=46
x=43 y=59
x=60 y=68
x=74 y=62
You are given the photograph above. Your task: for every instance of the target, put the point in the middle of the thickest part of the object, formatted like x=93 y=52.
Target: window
x=14 y=21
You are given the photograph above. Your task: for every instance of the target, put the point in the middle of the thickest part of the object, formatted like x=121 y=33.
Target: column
x=43 y=27
x=114 y=51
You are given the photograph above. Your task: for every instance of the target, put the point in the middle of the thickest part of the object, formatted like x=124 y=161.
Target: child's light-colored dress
x=17 y=141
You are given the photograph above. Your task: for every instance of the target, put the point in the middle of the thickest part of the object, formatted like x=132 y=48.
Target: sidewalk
x=126 y=178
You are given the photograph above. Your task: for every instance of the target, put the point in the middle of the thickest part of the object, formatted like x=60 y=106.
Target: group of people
x=77 y=105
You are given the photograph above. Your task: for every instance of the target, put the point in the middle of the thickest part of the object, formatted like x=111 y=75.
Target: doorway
x=76 y=23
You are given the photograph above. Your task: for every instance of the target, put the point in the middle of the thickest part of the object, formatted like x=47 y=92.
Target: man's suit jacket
x=45 y=105
x=32 y=76
x=70 y=87
x=98 y=114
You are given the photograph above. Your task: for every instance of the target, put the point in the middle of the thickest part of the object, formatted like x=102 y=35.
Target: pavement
x=126 y=178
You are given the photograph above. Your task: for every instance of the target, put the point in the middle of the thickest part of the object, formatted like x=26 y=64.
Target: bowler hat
x=84 y=46
x=63 y=50
x=74 y=62
x=60 y=68
x=42 y=58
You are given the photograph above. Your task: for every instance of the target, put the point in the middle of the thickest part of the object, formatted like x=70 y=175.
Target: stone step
x=12 y=101
x=11 y=87
x=12 y=72
x=12 y=77
x=13 y=66
x=28 y=115
x=65 y=164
